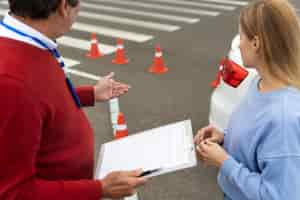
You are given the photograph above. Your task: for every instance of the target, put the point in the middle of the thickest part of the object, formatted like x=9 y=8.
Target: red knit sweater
x=46 y=142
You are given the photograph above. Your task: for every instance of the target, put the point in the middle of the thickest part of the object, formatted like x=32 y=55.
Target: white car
x=230 y=86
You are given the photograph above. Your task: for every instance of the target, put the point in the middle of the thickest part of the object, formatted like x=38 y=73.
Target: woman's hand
x=107 y=88
x=211 y=153
x=209 y=133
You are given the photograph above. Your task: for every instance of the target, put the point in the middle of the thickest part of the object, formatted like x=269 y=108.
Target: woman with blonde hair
x=261 y=154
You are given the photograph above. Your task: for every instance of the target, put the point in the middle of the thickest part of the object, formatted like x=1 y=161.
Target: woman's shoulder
x=281 y=127
x=282 y=111
x=291 y=107
x=286 y=105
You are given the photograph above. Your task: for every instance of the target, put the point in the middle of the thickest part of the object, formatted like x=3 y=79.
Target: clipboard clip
x=190 y=148
x=148 y=172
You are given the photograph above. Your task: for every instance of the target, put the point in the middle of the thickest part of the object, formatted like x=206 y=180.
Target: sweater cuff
x=228 y=167
x=87 y=189
x=86 y=95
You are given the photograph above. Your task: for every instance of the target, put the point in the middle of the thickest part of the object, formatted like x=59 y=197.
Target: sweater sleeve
x=86 y=95
x=279 y=179
x=22 y=119
x=278 y=160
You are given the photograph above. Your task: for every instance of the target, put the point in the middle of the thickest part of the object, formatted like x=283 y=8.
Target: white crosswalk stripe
x=161 y=7
x=110 y=32
x=154 y=15
x=128 y=21
x=3 y=12
x=191 y=3
x=70 y=63
x=83 y=74
x=84 y=45
x=232 y=2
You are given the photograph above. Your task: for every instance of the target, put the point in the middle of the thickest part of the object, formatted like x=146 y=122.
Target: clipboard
x=168 y=148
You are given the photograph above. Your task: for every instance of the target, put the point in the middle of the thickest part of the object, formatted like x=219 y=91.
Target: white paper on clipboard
x=168 y=147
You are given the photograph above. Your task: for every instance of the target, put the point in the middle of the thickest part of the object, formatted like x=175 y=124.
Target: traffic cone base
x=121 y=61
x=94 y=55
x=158 y=69
x=120 y=135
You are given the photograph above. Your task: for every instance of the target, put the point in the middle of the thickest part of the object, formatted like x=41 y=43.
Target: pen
x=148 y=172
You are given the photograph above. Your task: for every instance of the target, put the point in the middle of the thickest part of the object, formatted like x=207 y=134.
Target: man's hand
x=209 y=133
x=107 y=88
x=121 y=183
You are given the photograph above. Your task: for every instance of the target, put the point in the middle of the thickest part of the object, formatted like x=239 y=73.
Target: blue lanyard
x=54 y=52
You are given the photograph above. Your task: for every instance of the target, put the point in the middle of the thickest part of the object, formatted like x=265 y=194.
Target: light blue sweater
x=263 y=140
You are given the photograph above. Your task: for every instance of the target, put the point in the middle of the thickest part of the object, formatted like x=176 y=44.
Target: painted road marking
x=71 y=63
x=83 y=74
x=238 y=3
x=110 y=32
x=3 y=12
x=128 y=21
x=84 y=45
x=191 y=3
x=155 y=15
x=162 y=7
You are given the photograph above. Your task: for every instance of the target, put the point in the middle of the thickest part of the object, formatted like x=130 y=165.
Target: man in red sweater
x=46 y=142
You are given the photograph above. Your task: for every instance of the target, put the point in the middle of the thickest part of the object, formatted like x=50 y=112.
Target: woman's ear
x=256 y=43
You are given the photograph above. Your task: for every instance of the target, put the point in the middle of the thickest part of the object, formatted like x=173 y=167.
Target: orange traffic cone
x=120 y=57
x=94 y=50
x=158 y=66
x=121 y=130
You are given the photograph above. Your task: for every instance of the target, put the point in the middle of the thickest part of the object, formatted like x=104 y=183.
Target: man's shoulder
x=33 y=68
x=13 y=48
x=24 y=61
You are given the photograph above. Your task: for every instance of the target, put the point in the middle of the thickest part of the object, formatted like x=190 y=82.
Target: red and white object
x=231 y=85
x=121 y=129
x=94 y=50
x=158 y=66
x=232 y=73
x=120 y=57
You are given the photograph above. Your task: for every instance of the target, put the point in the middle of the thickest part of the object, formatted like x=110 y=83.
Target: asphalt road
x=192 y=54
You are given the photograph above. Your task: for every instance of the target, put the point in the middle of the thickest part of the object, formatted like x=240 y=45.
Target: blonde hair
x=277 y=27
